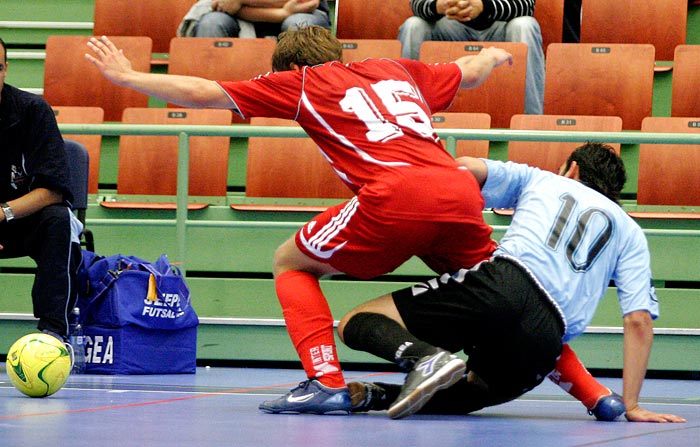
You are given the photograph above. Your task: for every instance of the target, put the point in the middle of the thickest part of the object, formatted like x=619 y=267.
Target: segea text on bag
x=136 y=316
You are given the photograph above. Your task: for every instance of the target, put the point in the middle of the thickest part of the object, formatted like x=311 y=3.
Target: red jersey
x=371 y=120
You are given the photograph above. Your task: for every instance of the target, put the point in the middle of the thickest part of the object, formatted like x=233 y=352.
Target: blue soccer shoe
x=608 y=408
x=311 y=397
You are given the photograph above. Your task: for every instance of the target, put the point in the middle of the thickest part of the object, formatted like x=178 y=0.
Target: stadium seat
x=93 y=143
x=359 y=49
x=600 y=79
x=685 y=88
x=79 y=165
x=354 y=20
x=157 y=19
x=669 y=173
x=502 y=95
x=550 y=16
x=148 y=164
x=70 y=80
x=221 y=59
x=288 y=168
x=549 y=156
x=471 y=148
x=662 y=24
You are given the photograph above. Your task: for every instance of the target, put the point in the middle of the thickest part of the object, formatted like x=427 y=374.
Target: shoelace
x=302 y=385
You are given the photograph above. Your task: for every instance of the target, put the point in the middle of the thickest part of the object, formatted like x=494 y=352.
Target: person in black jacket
x=35 y=215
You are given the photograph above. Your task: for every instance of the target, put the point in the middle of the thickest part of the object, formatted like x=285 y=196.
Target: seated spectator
x=260 y=18
x=480 y=20
x=35 y=217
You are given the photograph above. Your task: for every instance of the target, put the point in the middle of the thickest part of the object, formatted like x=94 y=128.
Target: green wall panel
x=26 y=68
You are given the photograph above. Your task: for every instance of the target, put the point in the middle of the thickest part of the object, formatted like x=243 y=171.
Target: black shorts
x=497 y=314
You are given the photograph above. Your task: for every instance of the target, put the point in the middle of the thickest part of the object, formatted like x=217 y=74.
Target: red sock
x=310 y=326
x=574 y=378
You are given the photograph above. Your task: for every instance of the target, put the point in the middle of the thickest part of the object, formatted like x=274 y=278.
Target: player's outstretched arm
x=186 y=91
x=638 y=335
x=475 y=69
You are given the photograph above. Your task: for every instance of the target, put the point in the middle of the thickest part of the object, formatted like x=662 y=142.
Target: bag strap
x=104 y=284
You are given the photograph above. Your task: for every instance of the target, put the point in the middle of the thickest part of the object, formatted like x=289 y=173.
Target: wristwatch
x=9 y=214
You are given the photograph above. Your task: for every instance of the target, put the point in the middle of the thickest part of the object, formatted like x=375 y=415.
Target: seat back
x=93 y=143
x=549 y=156
x=685 y=89
x=471 y=148
x=221 y=59
x=550 y=16
x=353 y=19
x=359 y=49
x=70 y=80
x=79 y=166
x=148 y=164
x=669 y=174
x=489 y=97
x=274 y=170
x=661 y=24
x=600 y=79
x=157 y=19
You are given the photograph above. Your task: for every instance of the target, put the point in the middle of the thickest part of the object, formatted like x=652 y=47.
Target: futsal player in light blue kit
x=567 y=240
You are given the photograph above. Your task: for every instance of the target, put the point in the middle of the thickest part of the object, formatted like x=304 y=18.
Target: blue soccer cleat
x=608 y=408
x=311 y=397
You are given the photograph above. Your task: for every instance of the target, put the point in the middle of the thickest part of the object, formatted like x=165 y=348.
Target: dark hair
x=4 y=48
x=600 y=168
x=311 y=45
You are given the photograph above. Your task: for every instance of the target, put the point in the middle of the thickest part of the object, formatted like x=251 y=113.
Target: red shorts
x=361 y=241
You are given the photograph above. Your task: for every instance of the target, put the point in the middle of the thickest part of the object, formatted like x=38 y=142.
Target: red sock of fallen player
x=574 y=378
x=310 y=326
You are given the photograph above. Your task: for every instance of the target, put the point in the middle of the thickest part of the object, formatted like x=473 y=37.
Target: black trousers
x=500 y=318
x=46 y=238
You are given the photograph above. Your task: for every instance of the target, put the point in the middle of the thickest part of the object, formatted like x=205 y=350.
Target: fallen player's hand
x=638 y=414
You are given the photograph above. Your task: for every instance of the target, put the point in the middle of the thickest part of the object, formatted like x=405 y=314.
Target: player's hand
x=109 y=59
x=499 y=55
x=638 y=414
x=572 y=172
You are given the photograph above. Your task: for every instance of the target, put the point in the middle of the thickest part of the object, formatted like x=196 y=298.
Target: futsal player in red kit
x=371 y=120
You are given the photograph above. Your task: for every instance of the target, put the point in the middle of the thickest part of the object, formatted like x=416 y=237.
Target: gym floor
x=219 y=406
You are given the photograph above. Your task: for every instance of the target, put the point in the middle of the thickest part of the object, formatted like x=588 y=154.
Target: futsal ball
x=38 y=364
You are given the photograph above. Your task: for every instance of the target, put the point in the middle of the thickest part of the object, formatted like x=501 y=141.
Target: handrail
x=241 y=130
x=34 y=24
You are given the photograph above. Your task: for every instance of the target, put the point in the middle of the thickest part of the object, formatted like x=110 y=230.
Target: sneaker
x=432 y=373
x=55 y=335
x=368 y=396
x=608 y=408
x=310 y=397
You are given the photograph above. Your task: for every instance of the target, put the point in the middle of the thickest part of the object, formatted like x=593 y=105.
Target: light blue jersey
x=573 y=239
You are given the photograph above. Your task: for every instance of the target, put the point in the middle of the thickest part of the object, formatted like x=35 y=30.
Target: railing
x=451 y=136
